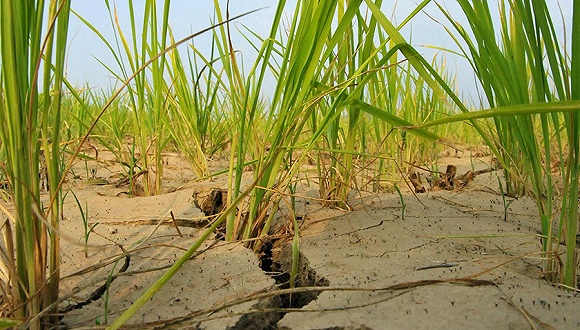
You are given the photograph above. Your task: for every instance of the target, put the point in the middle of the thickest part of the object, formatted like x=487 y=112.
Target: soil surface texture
x=466 y=258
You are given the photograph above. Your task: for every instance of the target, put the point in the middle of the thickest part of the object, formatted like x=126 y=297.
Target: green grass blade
x=181 y=261
x=507 y=111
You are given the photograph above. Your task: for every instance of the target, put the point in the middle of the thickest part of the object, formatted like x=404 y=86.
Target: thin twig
x=443 y=265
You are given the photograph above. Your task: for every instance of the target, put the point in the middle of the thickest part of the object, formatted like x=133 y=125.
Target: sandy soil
x=447 y=260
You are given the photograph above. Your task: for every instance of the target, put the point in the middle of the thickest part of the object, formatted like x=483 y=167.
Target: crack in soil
x=276 y=261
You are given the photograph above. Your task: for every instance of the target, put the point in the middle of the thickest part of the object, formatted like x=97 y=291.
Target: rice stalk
x=191 y=109
x=570 y=217
x=525 y=65
x=147 y=97
x=30 y=136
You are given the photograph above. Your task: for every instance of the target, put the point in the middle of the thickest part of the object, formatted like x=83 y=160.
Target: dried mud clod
x=448 y=180
x=211 y=203
x=417 y=183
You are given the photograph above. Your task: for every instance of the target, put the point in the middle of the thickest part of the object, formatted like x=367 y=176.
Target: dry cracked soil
x=461 y=259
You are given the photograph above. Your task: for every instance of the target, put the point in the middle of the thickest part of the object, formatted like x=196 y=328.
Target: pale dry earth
x=452 y=260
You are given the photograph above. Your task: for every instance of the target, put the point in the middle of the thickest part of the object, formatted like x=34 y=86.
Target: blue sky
x=189 y=16
x=186 y=17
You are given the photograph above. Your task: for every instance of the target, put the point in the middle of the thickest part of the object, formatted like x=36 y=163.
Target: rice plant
x=194 y=108
x=32 y=83
x=527 y=64
x=81 y=107
x=147 y=94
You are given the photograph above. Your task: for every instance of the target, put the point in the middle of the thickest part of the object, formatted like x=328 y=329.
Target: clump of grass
x=525 y=65
x=146 y=97
x=194 y=110
x=31 y=124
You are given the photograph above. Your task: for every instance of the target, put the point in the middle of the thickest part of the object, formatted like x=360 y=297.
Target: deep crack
x=276 y=262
